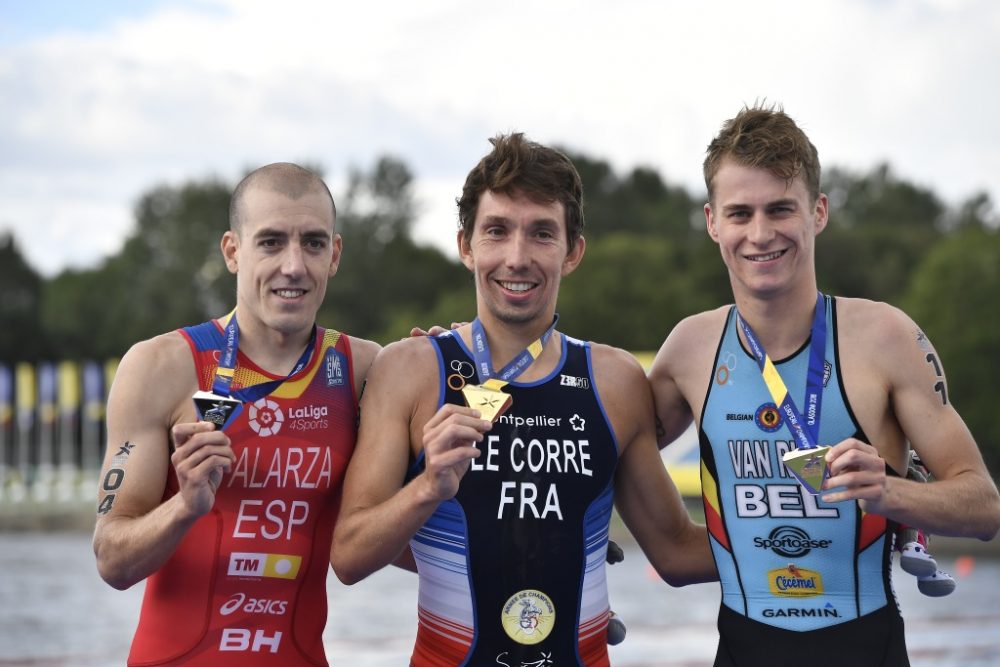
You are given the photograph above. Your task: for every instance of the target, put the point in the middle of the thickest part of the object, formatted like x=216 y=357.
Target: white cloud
x=91 y=120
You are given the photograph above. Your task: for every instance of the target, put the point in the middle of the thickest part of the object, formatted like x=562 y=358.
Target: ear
x=338 y=248
x=574 y=257
x=711 y=224
x=822 y=212
x=465 y=250
x=230 y=246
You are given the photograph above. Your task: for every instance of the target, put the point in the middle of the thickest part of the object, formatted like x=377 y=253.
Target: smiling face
x=282 y=253
x=766 y=230
x=518 y=252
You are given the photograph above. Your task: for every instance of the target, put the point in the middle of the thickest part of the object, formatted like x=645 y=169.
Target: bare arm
x=136 y=533
x=379 y=513
x=645 y=496
x=680 y=371
x=363 y=353
x=962 y=500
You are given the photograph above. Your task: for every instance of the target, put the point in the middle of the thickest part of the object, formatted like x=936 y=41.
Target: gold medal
x=491 y=403
x=809 y=467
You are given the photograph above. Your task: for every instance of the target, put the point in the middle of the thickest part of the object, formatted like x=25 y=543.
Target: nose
x=292 y=263
x=759 y=231
x=517 y=251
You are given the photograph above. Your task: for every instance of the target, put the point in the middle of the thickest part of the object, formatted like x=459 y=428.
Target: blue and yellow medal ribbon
x=805 y=432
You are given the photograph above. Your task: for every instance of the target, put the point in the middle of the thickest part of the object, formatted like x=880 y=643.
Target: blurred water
x=55 y=611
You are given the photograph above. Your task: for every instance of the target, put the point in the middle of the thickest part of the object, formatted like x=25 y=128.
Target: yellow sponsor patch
x=278 y=566
x=795 y=582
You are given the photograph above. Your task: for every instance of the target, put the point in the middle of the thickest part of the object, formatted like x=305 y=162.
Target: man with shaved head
x=227 y=445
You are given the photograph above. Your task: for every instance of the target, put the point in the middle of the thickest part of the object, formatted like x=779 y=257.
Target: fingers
x=851 y=455
x=195 y=444
x=458 y=415
x=435 y=330
x=857 y=472
x=181 y=433
x=450 y=437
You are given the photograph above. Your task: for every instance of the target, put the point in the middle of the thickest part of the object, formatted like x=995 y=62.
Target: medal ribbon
x=805 y=431
x=484 y=362
x=222 y=385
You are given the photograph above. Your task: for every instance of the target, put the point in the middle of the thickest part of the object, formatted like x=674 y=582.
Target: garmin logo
x=795 y=612
x=790 y=542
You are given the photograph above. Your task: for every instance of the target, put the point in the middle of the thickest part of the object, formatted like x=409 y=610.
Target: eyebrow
x=784 y=201
x=273 y=232
x=504 y=220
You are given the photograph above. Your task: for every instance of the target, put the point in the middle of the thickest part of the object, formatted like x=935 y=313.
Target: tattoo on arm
x=113 y=478
x=939 y=386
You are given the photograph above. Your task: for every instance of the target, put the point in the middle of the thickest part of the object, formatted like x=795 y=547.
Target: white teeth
x=289 y=293
x=766 y=258
x=516 y=287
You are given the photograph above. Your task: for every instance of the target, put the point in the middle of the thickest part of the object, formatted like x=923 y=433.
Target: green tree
x=630 y=290
x=20 y=335
x=384 y=280
x=953 y=298
x=880 y=228
x=169 y=273
x=638 y=203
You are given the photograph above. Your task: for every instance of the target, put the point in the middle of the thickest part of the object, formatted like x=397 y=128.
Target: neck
x=781 y=324
x=508 y=339
x=274 y=351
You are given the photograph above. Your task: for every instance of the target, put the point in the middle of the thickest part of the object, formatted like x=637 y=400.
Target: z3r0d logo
x=266 y=417
x=528 y=616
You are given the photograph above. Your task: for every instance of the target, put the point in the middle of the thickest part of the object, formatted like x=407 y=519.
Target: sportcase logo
x=790 y=542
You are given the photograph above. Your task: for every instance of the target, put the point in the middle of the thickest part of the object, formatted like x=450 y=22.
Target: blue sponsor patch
x=335 y=365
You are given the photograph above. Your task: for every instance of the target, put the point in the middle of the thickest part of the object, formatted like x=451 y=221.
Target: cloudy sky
x=100 y=101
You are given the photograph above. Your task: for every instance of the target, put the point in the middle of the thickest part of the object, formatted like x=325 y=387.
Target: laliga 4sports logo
x=266 y=417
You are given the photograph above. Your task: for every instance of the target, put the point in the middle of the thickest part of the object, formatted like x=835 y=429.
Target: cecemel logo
x=795 y=582
x=279 y=566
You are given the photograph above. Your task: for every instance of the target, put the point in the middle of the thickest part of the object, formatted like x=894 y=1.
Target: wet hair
x=764 y=136
x=286 y=178
x=518 y=166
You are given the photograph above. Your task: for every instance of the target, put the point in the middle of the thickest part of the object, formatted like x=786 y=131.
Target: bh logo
x=266 y=417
